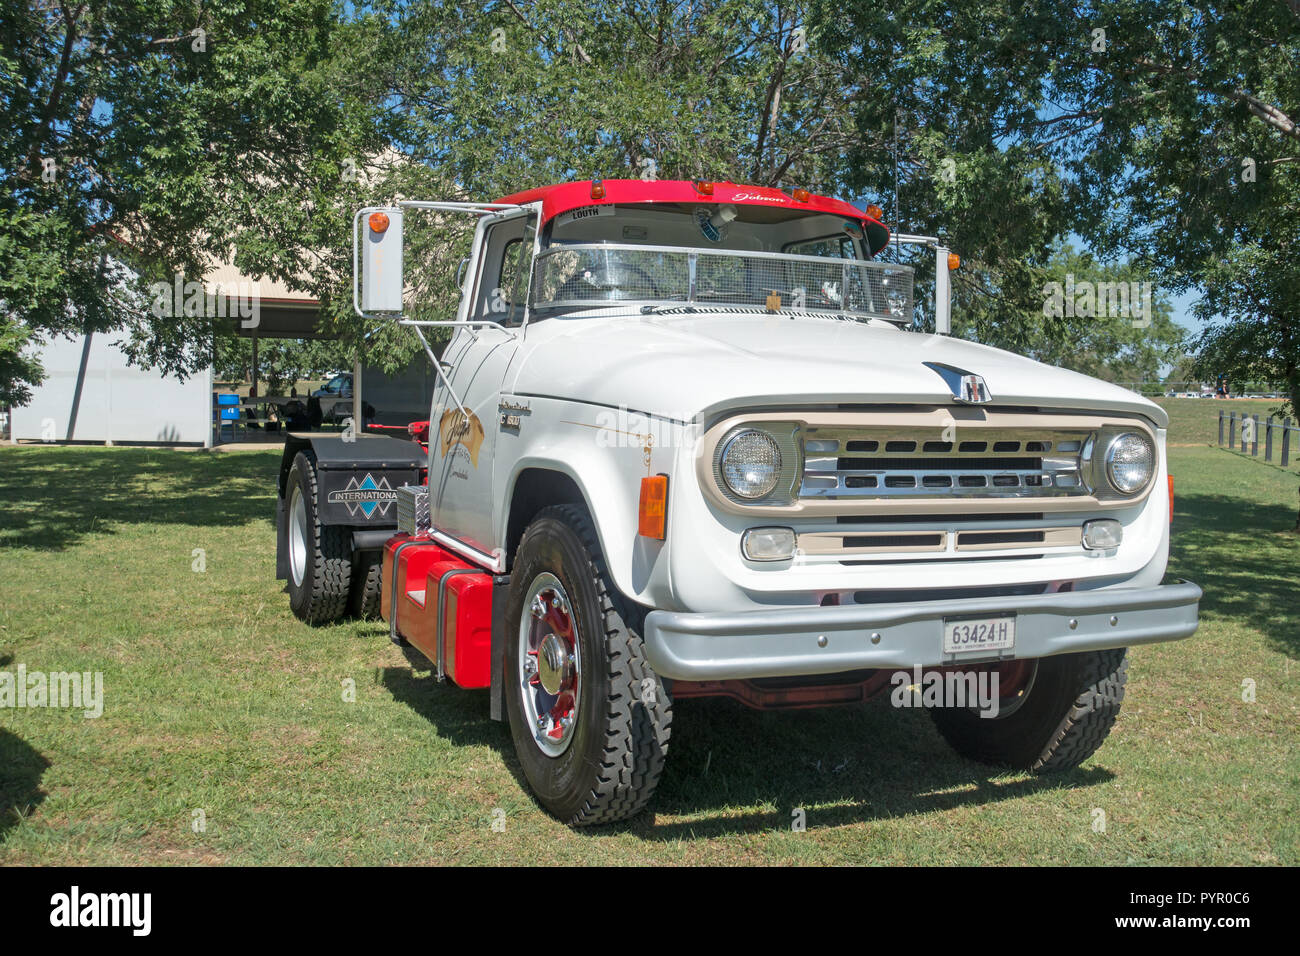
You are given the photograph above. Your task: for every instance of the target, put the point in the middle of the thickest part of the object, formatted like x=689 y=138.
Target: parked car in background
x=336 y=397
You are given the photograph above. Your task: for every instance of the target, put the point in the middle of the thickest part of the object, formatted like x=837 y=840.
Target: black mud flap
x=497 y=647
x=357 y=481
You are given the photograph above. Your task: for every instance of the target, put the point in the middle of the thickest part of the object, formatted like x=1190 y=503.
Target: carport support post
x=357 y=422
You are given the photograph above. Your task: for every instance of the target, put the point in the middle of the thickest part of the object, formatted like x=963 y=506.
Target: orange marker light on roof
x=703 y=188
x=378 y=222
x=597 y=189
x=802 y=195
x=954 y=262
x=875 y=212
x=652 y=512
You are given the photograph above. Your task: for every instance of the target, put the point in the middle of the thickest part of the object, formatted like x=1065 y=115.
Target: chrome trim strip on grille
x=1020 y=539
x=871 y=542
x=910 y=462
x=820 y=544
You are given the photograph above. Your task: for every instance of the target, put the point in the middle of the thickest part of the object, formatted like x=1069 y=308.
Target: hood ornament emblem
x=966 y=387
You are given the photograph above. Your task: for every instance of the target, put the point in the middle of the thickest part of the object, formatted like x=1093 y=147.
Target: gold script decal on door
x=455 y=430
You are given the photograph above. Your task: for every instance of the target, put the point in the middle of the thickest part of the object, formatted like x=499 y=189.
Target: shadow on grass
x=460 y=716
x=52 y=497
x=843 y=765
x=1244 y=560
x=21 y=768
x=840 y=765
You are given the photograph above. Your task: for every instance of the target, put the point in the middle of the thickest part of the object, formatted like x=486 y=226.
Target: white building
x=91 y=394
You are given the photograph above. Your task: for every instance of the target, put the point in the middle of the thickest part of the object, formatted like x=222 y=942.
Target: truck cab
x=688 y=441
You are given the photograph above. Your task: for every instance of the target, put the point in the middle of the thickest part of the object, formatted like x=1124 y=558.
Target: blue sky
x=1182 y=306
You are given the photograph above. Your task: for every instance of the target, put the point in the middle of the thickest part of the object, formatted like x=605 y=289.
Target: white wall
x=118 y=402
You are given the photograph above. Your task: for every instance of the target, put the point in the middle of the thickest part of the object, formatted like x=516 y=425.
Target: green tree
x=281 y=362
x=1119 y=328
x=489 y=99
x=1178 y=132
x=945 y=91
x=166 y=135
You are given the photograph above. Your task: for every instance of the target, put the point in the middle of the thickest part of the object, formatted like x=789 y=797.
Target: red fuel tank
x=443 y=607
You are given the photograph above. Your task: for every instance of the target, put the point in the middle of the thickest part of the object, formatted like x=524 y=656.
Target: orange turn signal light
x=652 y=512
x=802 y=195
x=597 y=189
x=1171 y=498
x=954 y=262
x=703 y=188
x=378 y=221
x=874 y=211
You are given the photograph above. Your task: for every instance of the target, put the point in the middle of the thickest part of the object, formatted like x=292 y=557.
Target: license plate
x=979 y=635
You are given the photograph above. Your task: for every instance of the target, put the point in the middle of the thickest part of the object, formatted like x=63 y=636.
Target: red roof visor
x=564 y=197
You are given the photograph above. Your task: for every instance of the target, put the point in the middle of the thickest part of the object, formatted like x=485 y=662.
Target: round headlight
x=1130 y=462
x=751 y=463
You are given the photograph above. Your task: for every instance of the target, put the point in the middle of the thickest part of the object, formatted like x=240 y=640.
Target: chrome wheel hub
x=297 y=536
x=554 y=664
x=550 y=665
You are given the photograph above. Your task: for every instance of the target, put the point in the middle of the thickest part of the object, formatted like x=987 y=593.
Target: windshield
x=720 y=256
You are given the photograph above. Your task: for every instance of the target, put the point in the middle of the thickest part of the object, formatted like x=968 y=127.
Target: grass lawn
x=217 y=700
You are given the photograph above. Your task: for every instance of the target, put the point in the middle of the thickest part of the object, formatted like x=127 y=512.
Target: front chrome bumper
x=785 y=642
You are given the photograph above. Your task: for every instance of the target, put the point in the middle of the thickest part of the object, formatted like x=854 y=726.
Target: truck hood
x=689 y=367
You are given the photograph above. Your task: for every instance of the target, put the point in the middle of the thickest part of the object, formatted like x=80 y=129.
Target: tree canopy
x=168 y=136
x=1159 y=135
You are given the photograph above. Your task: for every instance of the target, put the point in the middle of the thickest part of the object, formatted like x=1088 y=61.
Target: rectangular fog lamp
x=1102 y=534
x=768 y=544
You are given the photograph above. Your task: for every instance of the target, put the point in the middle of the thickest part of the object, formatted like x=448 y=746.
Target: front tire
x=589 y=718
x=320 y=556
x=1065 y=716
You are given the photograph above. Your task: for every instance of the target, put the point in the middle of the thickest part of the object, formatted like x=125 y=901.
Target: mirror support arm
x=437 y=367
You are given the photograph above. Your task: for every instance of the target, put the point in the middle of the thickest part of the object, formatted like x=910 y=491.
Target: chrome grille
x=923 y=463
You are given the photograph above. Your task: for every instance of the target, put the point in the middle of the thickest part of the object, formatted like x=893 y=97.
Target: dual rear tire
x=327 y=579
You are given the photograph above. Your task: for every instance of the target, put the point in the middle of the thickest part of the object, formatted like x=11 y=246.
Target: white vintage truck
x=686 y=441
